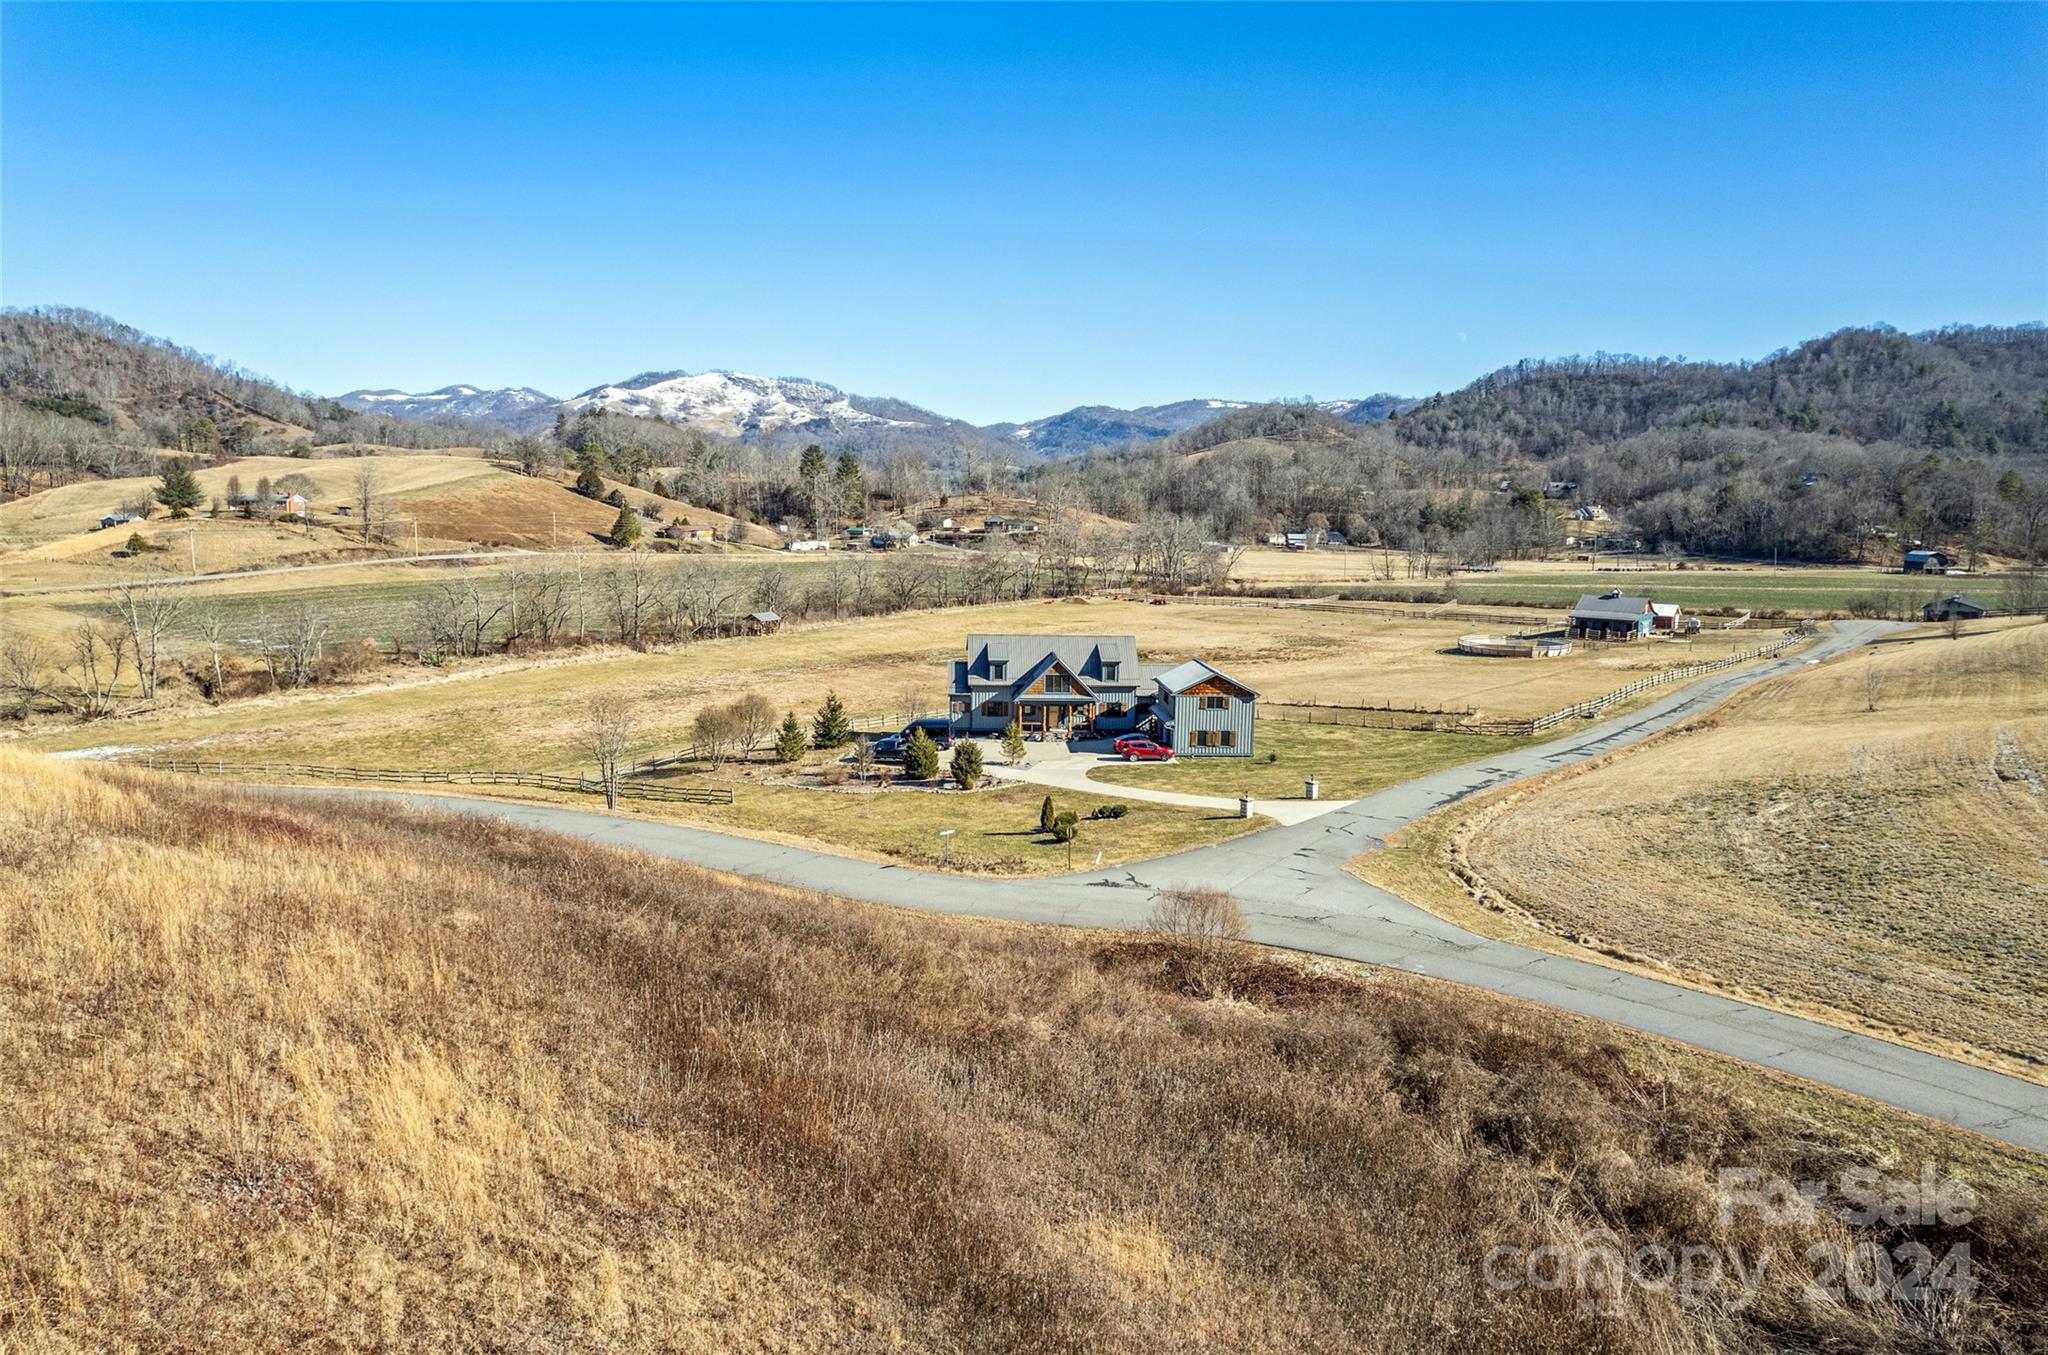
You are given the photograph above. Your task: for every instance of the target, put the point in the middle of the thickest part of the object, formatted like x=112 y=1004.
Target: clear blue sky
x=1004 y=212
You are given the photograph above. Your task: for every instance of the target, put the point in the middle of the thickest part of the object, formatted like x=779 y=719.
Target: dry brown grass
x=292 y=1077
x=1890 y=865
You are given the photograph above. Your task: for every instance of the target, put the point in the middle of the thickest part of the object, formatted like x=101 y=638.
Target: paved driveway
x=1296 y=893
x=1065 y=767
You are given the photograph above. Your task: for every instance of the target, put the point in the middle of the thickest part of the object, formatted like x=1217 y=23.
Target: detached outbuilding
x=761 y=623
x=1955 y=607
x=1926 y=561
x=1610 y=616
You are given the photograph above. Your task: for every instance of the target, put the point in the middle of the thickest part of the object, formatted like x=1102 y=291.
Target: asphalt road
x=1295 y=893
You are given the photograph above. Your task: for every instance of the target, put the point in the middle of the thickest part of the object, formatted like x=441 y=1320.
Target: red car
x=1143 y=750
x=1128 y=739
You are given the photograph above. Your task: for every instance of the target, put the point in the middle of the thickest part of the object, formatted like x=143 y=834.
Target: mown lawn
x=1349 y=761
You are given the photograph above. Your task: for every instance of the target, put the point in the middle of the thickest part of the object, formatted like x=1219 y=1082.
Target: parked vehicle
x=1144 y=750
x=1123 y=744
x=890 y=747
x=937 y=728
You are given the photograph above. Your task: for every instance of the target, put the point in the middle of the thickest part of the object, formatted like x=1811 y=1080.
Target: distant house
x=1926 y=561
x=1591 y=512
x=1664 y=615
x=1560 y=489
x=286 y=502
x=1955 y=607
x=1610 y=616
x=1053 y=684
x=760 y=623
x=810 y=545
x=1019 y=526
x=117 y=519
x=683 y=531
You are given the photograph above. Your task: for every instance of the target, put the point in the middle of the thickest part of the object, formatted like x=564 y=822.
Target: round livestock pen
x=1512 y=647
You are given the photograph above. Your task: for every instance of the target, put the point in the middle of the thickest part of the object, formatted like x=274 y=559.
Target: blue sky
x=1004 y=212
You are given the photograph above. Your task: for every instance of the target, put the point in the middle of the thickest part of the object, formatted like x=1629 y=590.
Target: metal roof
x=1593 y=607
x=1081 y=655
x=1179 y=678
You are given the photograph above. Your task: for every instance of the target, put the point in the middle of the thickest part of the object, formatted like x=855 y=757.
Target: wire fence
x=863 y=727
x=1456 y=721
x=587 y=785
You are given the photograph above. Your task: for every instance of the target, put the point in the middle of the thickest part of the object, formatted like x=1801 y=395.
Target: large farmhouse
x=1054 y=684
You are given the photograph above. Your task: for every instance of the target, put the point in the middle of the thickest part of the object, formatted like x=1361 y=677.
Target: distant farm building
x=1955 y=607
x=761 y=623
x=1512 y=647
x=1664 y=615
x=1560 y=489
x=1926 y=561
x=1610 y=616
x=117 y=519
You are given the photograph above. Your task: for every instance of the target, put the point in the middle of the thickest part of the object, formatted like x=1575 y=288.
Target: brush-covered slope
x=285 y=1074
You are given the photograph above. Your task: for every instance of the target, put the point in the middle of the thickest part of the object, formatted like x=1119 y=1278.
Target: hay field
x=1888 y=866
x=283 y=1076
x=530 y=714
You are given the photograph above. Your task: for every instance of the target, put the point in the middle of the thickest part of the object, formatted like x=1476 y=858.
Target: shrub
x=1115 y=811
x=966 y=763
x=137 y=543
x=1045 y=814
x=1203 y=925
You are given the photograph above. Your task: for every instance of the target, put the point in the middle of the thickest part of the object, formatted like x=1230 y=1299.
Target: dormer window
x=1110 y=669
x=998 y=669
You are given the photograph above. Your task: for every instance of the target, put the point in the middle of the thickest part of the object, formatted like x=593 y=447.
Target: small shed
x=1664 y=615
x=118 y=519
x=1955 y=607
x=761 y=623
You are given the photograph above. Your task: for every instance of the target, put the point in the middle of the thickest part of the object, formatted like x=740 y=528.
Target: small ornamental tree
x=966 y=763
x=1066 y=827
x=920 y=757
x=830 y=727
x=626 y=527
x=1045 y=815
x=1013 y=742
x=789 y=740
x=179 y=491
x=136 y=544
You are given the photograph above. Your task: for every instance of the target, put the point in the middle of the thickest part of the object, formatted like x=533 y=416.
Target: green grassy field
x=1792 y=591
x=1349 y=762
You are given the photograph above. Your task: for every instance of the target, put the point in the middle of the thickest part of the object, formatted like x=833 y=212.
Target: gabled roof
x=766 y=618
x=1082 y=655
x=1665 y=608
x=1593 y=607
x=1180 y=677
x=1045 y=665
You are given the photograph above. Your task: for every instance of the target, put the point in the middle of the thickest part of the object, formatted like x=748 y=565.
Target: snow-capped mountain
x=772 y=408
x=521 y=408
x=1077 y=430
x=1372 y=409
x=740 y=405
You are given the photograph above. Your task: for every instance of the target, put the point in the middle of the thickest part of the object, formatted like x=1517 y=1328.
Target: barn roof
x=1180 y=677
x=1593 y=607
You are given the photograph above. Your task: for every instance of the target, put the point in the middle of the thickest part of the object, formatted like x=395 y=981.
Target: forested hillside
x=1838 y=449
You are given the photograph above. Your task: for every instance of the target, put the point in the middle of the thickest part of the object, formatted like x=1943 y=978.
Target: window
x=1215 y=703
x=1110 y=669
x=1057 y=685
x=998 y=669
x=997 y=709
x=1229 y=738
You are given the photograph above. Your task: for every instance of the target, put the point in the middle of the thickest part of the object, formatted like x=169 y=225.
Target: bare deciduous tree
x=148 y=609
x=611 y=733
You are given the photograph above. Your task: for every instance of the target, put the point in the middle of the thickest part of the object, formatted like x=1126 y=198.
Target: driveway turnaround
x=1062 y=768
x=1296 y=893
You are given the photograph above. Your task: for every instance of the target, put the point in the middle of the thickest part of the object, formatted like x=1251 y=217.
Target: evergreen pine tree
x=590 y=473
x=1013 y=742
x=179 y=491
x=830 y=727
x=966 y=763
x=789 y=740
x=626 y=527
x=1045 y=815
x=920 y=757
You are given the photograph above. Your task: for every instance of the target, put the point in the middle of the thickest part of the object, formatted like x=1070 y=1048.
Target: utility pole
x=192 y=541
